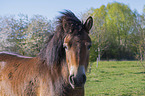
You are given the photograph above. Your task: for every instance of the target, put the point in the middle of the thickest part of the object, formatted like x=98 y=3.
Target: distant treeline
x=24 y=35
x=118 y=33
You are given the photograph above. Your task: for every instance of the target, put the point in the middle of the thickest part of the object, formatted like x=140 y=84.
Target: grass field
x=116 y=78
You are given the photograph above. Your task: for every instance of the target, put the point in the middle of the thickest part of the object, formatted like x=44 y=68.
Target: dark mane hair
x=53 y=52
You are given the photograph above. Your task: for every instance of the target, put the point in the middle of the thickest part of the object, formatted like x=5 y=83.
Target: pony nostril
x=71 y=79
x=84 y=78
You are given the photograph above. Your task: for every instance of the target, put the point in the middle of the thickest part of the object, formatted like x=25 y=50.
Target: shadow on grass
x=98 y=81
x=120 y=74
x=140 y=73
x=94 y=80
x=104 y=72
x=127 y=94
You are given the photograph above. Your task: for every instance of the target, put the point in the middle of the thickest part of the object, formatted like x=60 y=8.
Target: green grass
x=116 y=78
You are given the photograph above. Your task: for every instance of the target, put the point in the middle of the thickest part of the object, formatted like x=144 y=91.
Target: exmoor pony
x=58 y=70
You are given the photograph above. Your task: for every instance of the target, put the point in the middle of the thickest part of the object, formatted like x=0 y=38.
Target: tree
x=111 y=31
x=24 y=36
x=6 y=29
x=119 y=22
x=99 y=41
x=139 y=35
x=38 y=32
x=17 y=33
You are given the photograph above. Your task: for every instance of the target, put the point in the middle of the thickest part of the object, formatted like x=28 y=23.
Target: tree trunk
x=140 y=54
x=98 y=54
x=97 y=62
x=98 y=57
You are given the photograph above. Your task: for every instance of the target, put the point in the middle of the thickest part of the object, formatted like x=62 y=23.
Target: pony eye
x=88 y=47
x=65 y=46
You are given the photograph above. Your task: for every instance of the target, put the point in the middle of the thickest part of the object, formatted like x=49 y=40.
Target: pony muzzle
x=78 y=80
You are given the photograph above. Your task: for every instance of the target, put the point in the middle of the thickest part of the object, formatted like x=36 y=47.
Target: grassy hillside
x=116 y=78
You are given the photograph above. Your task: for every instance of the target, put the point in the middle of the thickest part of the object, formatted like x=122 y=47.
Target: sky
x=51 y=8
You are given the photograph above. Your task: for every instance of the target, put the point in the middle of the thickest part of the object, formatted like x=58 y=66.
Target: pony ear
x=88 y=24
x=65 y=25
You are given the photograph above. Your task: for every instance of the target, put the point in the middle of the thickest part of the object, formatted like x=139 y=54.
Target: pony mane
x=53 y=53
x=69 y=17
